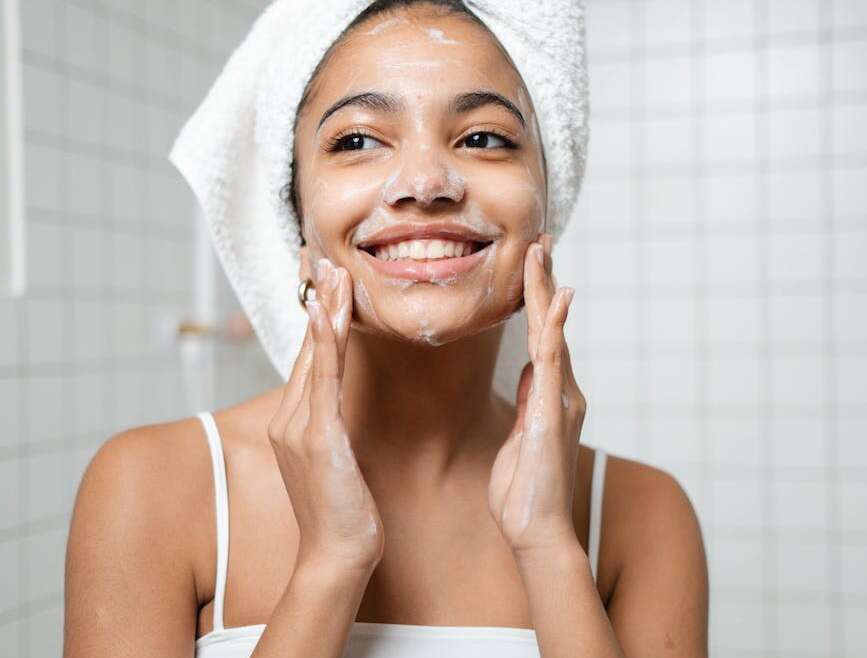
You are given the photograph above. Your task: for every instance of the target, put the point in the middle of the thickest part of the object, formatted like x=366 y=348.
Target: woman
x=426 y=515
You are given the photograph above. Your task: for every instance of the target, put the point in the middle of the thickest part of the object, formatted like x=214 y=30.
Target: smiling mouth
x=425 y=250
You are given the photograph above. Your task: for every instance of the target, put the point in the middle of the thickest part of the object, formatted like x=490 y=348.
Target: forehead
x=418 y=54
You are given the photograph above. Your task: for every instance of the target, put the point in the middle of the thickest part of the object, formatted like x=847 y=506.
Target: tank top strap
x=221 y=498
x=596 y=491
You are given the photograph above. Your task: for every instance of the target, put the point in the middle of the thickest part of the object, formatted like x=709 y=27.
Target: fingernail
x=539 y=253
x=320 y=270
x=570 y=293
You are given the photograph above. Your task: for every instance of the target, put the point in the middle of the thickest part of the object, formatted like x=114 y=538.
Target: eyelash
x=333 y=143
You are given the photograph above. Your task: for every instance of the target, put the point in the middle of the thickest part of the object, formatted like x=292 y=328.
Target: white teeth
x=423 y=249
x=435 y=249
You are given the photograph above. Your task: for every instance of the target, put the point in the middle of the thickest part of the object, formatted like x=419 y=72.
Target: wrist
x=567 y=554
x=327 y=568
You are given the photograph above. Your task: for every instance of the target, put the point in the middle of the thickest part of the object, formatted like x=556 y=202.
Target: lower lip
x=427 y=270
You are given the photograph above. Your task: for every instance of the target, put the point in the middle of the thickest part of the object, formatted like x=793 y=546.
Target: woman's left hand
x=533 y=477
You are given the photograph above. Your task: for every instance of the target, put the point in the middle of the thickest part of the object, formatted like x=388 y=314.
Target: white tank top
x=369 y=639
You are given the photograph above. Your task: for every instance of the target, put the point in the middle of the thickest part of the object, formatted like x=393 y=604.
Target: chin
x=434 y=318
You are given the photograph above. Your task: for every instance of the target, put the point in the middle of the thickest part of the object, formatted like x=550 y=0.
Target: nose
x=425 y=175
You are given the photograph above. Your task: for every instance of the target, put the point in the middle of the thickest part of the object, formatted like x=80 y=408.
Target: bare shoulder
x=155 y=470
x=657 y=550
x=646 y=502
x=641 y=493
x=139 y=515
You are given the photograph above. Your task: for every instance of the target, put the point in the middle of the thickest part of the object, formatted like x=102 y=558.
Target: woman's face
x=426 y=166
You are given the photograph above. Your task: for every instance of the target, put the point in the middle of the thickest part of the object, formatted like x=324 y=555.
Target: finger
x=294 y=387
x=296 y=397
x=324 y=383
x=543 y=421
x=531 y=300
x=326 y=279
x=552 y=342
x=553 y=351
x=344 y=315
x=538 y=291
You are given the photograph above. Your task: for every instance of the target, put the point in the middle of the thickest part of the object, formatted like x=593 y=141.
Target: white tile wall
x=725 y=205
x=719 y=247
x=110 y=226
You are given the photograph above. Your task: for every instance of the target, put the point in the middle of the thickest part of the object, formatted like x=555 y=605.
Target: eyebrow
x=460 y=104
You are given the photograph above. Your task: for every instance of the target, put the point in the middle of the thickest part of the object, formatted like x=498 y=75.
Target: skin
x=397 y=457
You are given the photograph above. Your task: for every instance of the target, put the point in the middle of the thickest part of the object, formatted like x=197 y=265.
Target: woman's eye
x=352 y=142
x=483 y=140
x=356 y=141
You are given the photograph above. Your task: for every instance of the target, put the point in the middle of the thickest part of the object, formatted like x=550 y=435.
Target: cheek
x=337 y=201
x=510 y=275
x=515 y=198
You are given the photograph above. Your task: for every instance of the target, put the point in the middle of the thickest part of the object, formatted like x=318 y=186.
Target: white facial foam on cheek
x=475 y=219
x=363 y=299
x=376 y=221
x=310 y=223
x=334 y=203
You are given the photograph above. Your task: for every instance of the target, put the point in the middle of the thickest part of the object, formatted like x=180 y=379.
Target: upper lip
x=430 y=230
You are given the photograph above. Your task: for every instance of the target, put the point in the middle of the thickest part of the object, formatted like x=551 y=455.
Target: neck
x=421 y=410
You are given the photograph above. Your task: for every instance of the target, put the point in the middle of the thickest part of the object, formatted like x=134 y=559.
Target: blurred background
x=718 y=256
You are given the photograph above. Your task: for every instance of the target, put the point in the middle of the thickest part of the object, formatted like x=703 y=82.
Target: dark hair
x=289 y=192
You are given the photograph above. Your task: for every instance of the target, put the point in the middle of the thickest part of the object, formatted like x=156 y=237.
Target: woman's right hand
x=337 y=516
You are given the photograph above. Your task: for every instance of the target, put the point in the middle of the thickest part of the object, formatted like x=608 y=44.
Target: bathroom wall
x=719 y=321
x=89 y=349
x=717 y=254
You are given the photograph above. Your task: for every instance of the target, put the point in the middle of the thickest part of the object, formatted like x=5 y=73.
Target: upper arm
x=659 y=605
x=129 y=587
